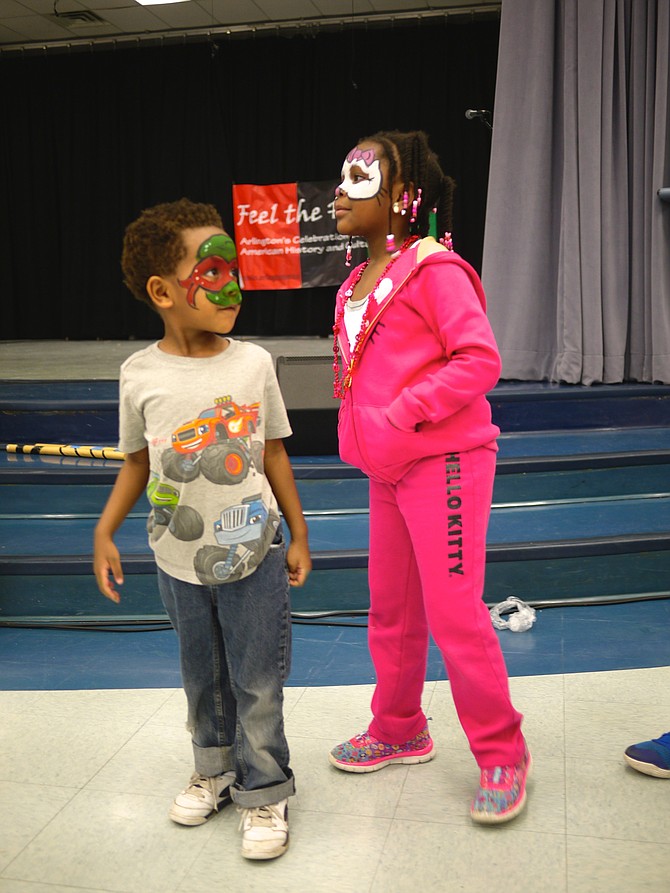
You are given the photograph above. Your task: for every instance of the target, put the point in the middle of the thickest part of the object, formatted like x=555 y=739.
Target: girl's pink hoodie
x=428 y=359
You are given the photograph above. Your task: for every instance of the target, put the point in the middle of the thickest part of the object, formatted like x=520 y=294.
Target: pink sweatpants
x=426 y=572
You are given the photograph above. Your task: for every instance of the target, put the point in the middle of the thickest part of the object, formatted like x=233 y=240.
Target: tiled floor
x=87 y=774
x=87 y=777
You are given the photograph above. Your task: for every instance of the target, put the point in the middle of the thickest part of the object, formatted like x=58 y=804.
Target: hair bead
x=447 y=241
x=416 y=204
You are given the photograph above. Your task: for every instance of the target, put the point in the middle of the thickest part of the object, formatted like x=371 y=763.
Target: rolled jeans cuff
x=262 y=796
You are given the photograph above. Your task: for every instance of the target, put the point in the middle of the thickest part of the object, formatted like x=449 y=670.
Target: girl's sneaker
x=264 y=830
x=202 y=798
x=651 y=757
x=364 y=753
x=502 y=792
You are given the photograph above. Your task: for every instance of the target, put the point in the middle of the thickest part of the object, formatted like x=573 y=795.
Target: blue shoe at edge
x=651 y=757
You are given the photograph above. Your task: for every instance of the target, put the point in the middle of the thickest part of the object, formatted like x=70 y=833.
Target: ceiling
x=42 y=25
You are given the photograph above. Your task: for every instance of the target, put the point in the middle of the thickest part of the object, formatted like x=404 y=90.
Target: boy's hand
x=280 y=474
x=106 y=561
x=130 y=483
x=299 y=563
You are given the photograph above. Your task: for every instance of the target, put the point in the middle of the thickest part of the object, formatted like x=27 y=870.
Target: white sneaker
x=264 y=830
x=203 y=797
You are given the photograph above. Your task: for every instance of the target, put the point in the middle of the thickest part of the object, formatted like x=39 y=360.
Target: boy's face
x=206 y=292
x=214 y=270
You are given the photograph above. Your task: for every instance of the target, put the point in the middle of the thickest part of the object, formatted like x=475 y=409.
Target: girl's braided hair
x=412 y=161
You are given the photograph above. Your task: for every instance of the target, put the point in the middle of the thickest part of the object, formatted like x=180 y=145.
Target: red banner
x=286 y=236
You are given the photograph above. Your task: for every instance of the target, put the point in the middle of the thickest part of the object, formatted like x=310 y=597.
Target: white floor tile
x=116 y=842
x=20 y=701
x=649 y=686
x=126 y=705
x=173 y=710
x=86 y=779
x=335 y=713
x=327 y=854
x=426 y=856
x=62 y=750
x=323 y=788
x=617 y=866
x=606 y=798
x=439 y=791
x=536 y=688
x=156 y=760
x=543 y=725
x=25 y=809
x=13 y=886
x=603 y=729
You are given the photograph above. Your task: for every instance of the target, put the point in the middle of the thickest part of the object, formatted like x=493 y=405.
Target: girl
x=418 y=356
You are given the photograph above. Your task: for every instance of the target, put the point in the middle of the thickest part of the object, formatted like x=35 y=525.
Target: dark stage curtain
x=91 y=138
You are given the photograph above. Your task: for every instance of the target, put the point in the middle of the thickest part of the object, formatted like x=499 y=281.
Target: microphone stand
x=483 y=115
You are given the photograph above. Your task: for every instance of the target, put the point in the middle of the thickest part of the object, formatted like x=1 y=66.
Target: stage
x=100 y=360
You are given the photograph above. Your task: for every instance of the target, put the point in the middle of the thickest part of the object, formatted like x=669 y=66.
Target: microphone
x=483 y=115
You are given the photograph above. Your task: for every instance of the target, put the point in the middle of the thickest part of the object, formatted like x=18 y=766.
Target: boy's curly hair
x=153 y=244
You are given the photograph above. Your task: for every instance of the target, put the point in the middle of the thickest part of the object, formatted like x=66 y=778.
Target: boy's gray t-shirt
x=205 y=422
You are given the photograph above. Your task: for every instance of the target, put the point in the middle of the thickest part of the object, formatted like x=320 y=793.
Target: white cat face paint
x=361 y=175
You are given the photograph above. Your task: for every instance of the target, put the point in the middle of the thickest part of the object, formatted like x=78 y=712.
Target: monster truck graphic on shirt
x=219 y=443
x=243 y=533
x=183 y=521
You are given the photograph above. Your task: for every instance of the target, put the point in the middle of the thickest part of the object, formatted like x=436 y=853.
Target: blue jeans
x=235 y=655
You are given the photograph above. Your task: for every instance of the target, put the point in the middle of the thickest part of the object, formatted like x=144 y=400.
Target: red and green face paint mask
x=215 y=273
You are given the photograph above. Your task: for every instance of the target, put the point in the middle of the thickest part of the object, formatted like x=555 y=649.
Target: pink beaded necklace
x=341 y=384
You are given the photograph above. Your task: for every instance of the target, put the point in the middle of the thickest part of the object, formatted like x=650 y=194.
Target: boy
x=201 y=421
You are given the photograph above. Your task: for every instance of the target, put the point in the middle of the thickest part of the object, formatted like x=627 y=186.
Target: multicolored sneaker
x=502 y=792
x=364 y=753
x=651 y=757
